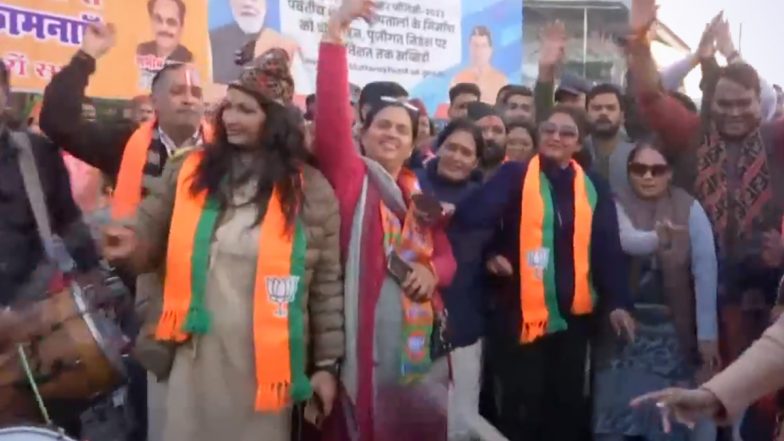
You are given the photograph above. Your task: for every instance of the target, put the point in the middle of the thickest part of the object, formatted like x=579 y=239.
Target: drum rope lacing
x=33 y=385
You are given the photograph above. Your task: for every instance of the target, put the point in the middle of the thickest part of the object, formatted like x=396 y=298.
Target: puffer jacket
x=323 y=304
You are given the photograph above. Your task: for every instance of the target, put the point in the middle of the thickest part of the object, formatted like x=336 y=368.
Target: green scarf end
x=197 y=322
x=301 y=390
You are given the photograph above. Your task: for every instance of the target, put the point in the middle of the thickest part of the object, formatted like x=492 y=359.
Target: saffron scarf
x=538 y=298
x=278 y=319
x=128 y=192
x=413 y=242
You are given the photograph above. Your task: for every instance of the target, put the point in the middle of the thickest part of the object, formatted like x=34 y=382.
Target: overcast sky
x=763 y=28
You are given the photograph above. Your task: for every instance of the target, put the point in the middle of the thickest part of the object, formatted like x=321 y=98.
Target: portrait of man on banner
x=242 y=21
x=167 y=18
x=481 y=71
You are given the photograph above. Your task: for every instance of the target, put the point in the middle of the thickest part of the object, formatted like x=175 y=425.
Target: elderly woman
x=247 y=237
x=673 y=275
x=560 y=255
x=395 y=258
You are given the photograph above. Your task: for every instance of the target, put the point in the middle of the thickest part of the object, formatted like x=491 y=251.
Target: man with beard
x=493 y=129
x=518 y=103
x=606 y=144
x=132 y=156
x=732 y=163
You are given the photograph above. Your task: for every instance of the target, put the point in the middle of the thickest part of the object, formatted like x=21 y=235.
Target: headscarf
x=269 y=77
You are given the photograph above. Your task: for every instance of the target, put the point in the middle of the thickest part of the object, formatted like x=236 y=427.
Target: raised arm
x=334 y=147
x=98 y=144
x=663 y=114
x=673 y=75
x=551 y=52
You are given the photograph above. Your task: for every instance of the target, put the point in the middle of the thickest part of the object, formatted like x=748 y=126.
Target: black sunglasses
x=551 y=128
x=656 y=170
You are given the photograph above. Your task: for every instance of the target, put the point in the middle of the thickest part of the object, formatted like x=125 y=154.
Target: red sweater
x=340 y=162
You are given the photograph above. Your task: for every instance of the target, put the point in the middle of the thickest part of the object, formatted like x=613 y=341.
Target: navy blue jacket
x=464 y=298
x=499 y=202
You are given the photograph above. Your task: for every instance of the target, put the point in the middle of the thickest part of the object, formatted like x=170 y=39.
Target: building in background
x=593 y=29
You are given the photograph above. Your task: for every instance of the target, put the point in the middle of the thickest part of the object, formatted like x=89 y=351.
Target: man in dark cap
x=490 y=120
x=572 y=90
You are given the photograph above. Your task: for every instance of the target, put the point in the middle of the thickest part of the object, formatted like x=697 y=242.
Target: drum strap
x=35 y=194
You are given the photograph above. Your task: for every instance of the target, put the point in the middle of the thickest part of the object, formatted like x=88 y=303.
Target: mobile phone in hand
x=428 y=205
x=398 y=268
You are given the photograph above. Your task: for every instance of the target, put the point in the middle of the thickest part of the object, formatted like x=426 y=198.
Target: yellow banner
x=38 y=37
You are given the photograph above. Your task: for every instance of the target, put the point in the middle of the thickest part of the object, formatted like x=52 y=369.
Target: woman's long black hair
x=277 y=162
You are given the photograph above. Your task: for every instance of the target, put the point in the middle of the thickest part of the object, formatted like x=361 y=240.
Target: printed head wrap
x=269 y=78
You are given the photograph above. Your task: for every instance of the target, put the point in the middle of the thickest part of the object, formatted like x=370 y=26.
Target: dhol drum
x=67 y=345
x=31 y=433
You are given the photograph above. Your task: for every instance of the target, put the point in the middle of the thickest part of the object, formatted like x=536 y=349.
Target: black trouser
x=542 y=387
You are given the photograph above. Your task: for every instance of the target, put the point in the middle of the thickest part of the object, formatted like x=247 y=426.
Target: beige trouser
x=465 y=423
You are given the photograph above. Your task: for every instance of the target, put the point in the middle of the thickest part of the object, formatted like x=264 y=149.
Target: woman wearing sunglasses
x=673 y=279
x=560 y=256
x=394 y=263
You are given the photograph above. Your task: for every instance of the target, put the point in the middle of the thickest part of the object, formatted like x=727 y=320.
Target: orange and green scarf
x=413 y=242
x=538 y=299
x=278 y=321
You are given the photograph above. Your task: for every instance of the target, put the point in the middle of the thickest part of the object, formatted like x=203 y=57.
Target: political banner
x=38 y=37
x=425 y=45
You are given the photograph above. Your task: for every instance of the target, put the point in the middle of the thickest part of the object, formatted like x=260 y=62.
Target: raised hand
x=643 y=15
x=724 y=38
x=553 y=44
x=351 y=10
x=707 y=47
x=98 y=39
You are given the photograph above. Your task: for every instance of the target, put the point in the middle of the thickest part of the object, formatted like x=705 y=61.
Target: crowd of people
x=575 y=262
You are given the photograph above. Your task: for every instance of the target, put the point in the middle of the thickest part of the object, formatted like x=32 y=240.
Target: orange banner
x=37 y=37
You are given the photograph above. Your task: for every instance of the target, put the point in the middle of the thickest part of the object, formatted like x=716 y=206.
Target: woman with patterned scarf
x=561 y=266
x=394 y=389
x=252 y=303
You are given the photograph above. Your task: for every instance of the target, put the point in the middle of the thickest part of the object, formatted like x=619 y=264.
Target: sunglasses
x=406 y=104
x=550 y=128
x=656 y=170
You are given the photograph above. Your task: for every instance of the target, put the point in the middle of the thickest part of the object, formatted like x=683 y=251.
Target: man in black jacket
x=26 y=274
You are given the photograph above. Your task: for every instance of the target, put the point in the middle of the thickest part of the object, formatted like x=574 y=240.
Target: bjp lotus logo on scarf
x=416 y=345
x=281 y=291
x=538 y=259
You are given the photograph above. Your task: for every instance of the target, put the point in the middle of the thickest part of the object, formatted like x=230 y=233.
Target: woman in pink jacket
x=394 y=389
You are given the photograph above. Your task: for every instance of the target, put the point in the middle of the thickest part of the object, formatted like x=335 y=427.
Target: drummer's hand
x=8 y=321
x=118 y=243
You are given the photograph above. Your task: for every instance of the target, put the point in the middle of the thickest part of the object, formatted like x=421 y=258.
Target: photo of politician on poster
x=234 y=23
x=481 y=71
